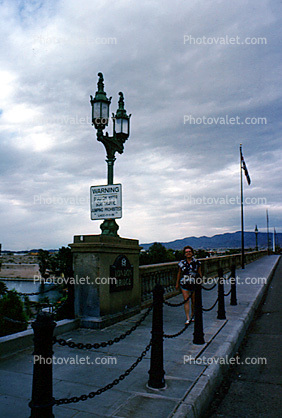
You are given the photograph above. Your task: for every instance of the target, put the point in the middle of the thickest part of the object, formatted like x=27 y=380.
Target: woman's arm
x=178 y=278
x=200 y=272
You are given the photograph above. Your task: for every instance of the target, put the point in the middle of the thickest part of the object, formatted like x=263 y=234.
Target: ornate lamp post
x=121 y=122
x=256 y=232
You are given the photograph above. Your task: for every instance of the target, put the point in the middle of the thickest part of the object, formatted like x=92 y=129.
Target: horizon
x=53 y=248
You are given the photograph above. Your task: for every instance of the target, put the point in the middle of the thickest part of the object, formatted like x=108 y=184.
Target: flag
x=245 y=167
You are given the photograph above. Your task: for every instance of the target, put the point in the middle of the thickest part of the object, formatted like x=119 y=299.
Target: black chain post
x=156 y=372
x=42 y=386
x=221 y=303
x=233 y=298
x=198 y=325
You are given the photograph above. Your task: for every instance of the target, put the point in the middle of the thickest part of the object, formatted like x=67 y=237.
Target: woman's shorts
x=189 y=287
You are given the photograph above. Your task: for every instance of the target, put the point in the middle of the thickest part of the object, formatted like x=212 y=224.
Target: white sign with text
x=105 y=202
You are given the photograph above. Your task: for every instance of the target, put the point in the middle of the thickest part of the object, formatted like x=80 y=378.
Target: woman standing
x=189 y=270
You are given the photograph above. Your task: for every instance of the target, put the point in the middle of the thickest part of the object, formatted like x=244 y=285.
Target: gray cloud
x=51 y=53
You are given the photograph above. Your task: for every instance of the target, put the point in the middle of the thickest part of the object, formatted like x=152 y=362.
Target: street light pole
x=256 y=232
x=267 y=230
x=121 y=122
x=242 y=214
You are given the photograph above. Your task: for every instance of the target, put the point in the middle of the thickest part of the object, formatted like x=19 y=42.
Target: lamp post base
x=109 y=227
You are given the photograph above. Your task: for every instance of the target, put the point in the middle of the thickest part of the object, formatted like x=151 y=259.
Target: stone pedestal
x=106 y=272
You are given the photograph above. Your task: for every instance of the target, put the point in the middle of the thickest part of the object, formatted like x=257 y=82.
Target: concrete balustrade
x=165 y=273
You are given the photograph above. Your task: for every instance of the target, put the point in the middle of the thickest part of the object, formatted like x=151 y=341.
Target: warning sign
x=105 y=202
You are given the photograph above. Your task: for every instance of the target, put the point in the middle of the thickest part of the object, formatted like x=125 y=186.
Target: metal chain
x=207 y=310
x=13 y=320
x=209 y=288
x=227 y=294
x=177 y=304
x=180 y=332
x=88 y=346
x=108 y=386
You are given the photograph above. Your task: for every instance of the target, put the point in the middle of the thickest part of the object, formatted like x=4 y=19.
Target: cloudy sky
x=199 y=77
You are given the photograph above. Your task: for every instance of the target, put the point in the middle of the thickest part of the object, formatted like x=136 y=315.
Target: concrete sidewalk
x=189 y=387
x=255 y=390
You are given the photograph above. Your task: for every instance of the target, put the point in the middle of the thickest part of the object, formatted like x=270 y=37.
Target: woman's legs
x=186 y=295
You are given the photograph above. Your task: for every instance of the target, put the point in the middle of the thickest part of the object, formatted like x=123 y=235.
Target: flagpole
x=242 y=213
x=267 y=226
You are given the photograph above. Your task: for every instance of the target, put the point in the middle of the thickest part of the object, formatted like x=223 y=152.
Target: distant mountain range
x=222 y=241
x=219 y=242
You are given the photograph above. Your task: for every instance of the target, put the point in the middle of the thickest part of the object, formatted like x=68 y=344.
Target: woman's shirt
x=189 y=271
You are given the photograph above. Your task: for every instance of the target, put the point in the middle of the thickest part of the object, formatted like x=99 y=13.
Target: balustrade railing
x=165 y=273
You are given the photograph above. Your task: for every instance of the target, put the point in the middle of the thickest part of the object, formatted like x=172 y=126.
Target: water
x=28 y=286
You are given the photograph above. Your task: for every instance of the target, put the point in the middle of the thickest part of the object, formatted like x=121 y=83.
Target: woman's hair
x=188 y=246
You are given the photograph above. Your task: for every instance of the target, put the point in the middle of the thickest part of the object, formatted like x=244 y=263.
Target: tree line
x=158 y=253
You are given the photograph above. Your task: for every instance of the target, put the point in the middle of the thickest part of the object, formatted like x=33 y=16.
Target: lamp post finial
x=100 y=83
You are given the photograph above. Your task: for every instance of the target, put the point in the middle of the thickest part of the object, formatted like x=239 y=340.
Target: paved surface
x=189 y=387
x=19 y=271
x=255 y=390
